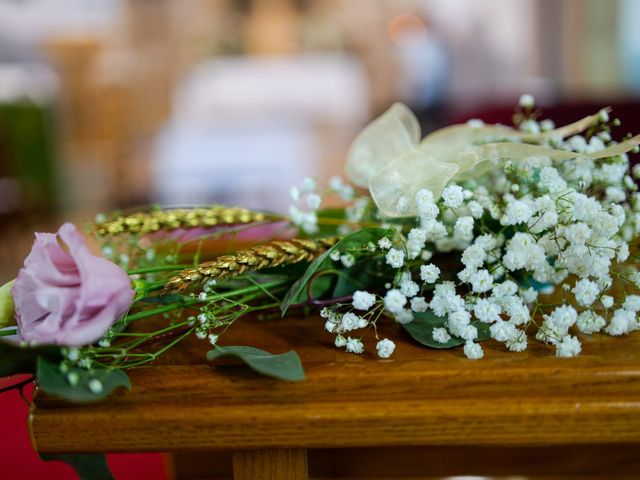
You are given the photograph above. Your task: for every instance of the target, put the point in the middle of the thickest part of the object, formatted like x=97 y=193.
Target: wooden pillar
x=270 y=465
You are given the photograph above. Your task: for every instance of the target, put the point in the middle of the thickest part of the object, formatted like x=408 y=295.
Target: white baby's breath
x=363 y=300
x=385 y=348
x=395 y=258
x=503 y=235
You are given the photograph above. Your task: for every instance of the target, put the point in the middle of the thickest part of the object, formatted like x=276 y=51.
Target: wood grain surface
x=270 y=465
x=419 y=397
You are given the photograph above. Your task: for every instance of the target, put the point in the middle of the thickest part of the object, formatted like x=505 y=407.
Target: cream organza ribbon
x=388 y=157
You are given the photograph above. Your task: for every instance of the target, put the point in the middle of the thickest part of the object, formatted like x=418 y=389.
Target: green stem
x=235 y=297
x=159 y=310
x=152 y=356
x=7 y=333
x=193 y=301
x=123 y=350
x=159 y=285
x=250 y=289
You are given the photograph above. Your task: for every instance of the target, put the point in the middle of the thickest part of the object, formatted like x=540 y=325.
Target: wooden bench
x=421 y=414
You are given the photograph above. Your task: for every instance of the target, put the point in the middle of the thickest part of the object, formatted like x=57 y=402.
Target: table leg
x=270 y=465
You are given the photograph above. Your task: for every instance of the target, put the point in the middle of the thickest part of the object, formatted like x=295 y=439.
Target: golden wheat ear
x=272 y=254
x=149 y=222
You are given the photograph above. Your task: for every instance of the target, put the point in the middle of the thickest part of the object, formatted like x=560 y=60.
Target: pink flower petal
x=65 y=295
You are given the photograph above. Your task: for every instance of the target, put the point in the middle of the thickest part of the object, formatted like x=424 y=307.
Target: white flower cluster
x=303 y=212
x=339 y=186
x=536 y=222
x=520 y=229
x=341 y=323
x=308 y=198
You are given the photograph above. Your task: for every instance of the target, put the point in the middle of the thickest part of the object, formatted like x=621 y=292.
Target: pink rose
x=65 y=295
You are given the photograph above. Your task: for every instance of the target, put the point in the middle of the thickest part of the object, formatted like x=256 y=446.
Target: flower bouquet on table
x=456 y=236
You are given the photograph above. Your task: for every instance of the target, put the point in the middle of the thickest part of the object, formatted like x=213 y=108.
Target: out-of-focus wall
x=125 y=69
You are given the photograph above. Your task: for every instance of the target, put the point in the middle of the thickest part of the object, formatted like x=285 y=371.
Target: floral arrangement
x=458 y=237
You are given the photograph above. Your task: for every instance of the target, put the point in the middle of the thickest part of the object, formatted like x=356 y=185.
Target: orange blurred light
x=407 y=30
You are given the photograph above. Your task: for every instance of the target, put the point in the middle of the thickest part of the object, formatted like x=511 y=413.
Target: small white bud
x=526 y=101
x=603 y=116
x=95 y=386
x=73 y=354
x=308 y=184
x=73 y=378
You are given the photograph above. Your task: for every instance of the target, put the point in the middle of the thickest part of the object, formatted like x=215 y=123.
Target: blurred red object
x=19 y=461
x=561 y=113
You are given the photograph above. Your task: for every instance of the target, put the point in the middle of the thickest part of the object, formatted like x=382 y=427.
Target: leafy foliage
x=54 y=381
x=351 y=243
x=286 y=366
x=15 y=359
x=366 y=274
x=423 y=324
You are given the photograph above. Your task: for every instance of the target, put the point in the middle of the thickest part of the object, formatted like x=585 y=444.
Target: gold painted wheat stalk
x=271 y=254
x=149 y=222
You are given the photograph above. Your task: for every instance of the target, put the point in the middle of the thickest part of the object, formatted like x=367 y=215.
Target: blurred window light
x=29 y=22
x=325 y=87
x=250 y=164
x=34 y=82
x=244 y=129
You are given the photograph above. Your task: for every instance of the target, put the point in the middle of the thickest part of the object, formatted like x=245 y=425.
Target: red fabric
x=18 y=460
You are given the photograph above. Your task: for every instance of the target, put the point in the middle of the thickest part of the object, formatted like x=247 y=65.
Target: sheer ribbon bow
x=389 y=158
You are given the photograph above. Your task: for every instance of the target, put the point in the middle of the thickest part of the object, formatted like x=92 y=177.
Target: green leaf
x=354 y=241
x=286 y=366
x=89 y=466
x=367 y=274
x=423 y=324
x=325 y=230
x=15 y=359
x=55 y=382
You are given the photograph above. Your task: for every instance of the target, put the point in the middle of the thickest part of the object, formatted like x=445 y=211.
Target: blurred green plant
x=28 y=154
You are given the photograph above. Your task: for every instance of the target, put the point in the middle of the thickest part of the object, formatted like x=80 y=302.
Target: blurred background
x=116 y=103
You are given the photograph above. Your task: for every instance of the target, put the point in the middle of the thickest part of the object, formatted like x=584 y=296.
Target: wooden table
x=421 y=414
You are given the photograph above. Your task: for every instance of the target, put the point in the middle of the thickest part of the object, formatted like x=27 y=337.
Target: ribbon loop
x=389 y=159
